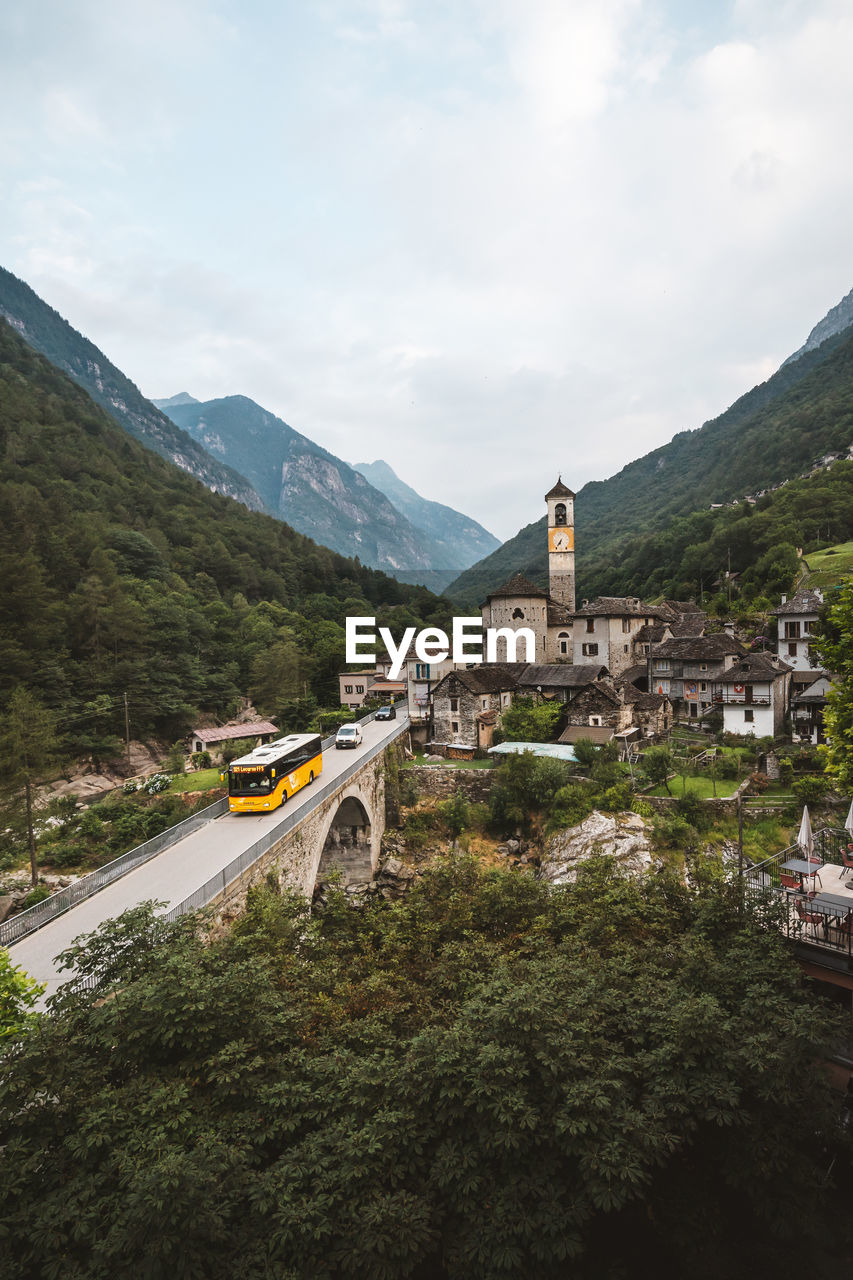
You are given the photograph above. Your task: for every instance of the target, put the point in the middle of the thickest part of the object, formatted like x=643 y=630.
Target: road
x=171 y=876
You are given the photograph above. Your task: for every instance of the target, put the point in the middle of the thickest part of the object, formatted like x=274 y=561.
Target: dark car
x=386 y=713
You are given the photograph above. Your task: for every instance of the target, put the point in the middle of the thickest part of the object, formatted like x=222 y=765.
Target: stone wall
x=444 y=782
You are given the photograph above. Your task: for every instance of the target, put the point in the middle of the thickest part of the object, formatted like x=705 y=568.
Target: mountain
x=463 y=539
x=125 y=577
x=183 y=397
x=312 y=490
x=777 y=431
x=836 y=320
x=45 y=329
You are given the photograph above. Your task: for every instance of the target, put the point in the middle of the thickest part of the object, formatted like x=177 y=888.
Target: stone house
x=467 y=705
x=519 y=603
x=257 y=732
x=807 y=708
x=797 y=620
x=685 y=669
x=557 y=681
x=607 y=630
x=615 y=708
x=753 y=694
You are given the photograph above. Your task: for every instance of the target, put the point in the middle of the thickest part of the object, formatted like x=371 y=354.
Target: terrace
x=817 y=893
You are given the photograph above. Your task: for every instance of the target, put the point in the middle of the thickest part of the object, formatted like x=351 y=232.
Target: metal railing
x=217 y=884
x=41 y=913
x=57 y=904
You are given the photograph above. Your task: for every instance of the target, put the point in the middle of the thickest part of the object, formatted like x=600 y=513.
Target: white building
x=754 y=695
x=797 y=620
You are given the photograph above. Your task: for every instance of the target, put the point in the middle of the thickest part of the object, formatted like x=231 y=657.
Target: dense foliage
x=124 y=575
x=487 y=1079
x=776 y=432
x=833 y=640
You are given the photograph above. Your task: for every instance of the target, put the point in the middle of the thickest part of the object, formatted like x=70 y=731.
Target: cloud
x=487 y=241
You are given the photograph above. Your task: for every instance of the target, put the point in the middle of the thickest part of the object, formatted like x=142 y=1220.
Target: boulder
x=622 y=835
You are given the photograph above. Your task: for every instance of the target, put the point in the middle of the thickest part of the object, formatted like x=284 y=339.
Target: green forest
x=125 y=576
x=488 y=1079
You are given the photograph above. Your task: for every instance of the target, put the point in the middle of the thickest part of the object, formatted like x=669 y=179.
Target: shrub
x=455 y=813
x=758 y=783
x=64 y=855
x=811 y=789
x=38 y=894
x=616 y=798
x=571 y=804
x=156 y=783
x=200 y=760
x=692 y=810
x=672 y=832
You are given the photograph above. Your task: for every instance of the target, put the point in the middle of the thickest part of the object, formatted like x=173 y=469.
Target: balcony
x=730 y=698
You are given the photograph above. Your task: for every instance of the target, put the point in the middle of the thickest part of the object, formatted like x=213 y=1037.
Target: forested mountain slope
x=775 y=432
x=306 y=485
x=122 y=574
x=45 y=329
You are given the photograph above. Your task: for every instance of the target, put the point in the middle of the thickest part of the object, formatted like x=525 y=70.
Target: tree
x=833 y=639
x=486 y=1079
x=657 y=764
x=18 y=995
x=28 y=747
x=528 y=721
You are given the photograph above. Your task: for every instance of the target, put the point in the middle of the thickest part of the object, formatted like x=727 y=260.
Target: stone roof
x=231 y=732
x=635 y=697
x=653 y=633
x=518 y=585
x=560 y=675
x=699 y=648
x=496 y=677
x=487 y=717
x=595 y=733
x=639 y=671
x=816 y=692
x=559 y=491
x=754 y=666
x=689 y=624
x=801 y=602
x=620 y=607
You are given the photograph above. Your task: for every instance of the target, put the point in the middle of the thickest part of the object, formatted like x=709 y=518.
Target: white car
x=349 y=735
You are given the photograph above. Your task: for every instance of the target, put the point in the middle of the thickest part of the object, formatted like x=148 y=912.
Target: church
x=548 y=614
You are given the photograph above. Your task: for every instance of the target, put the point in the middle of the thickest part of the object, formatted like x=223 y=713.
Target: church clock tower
x=561 y=544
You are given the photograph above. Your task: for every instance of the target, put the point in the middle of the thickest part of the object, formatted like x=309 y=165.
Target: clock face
x=561 y=539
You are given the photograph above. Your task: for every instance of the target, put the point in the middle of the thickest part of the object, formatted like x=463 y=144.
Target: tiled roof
x=517 y=585
x=621 y=607
x=802 y=602
x=560 y=675
x=228 y=732
x=494 y=678
x=559 y=491
x=699 y=648
x=754 y=666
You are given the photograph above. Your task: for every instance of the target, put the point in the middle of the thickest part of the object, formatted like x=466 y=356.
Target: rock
x=7 y=905
x=513 y=846
x=433 y=759
x=622 y=835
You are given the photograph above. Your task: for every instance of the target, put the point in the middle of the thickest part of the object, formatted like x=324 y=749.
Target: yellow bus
x=268 y=775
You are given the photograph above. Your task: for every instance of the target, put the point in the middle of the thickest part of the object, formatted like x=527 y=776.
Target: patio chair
x=791 y=881
x=843 y=930
x=809 y=917
x=847 y=863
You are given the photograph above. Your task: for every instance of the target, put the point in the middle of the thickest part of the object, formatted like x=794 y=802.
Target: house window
x=505 y=699
x=626 y=624
x=347 y=688
x=517 y=613
x=703 y=686
x=564 y=641
x=792 y=630
x=595 y=722
x=694 y=710
x=454 y=704
x=359 y=688
x=792 y=650
x=749 y=715
x=589 y=650
x=590 y=624
x=703 y=666
x=560 y=513
x=422 y=671
x=454 y=726
x=646 y=648
x=484 y=702
x=625 y=648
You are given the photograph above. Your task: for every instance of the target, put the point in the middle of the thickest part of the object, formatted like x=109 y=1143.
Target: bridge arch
x=349 y=840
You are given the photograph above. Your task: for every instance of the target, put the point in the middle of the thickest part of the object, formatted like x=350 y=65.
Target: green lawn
x=831 y=567
x=201 y=780
x=702 y=787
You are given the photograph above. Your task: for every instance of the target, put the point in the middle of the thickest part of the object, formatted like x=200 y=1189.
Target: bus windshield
x=246 y=783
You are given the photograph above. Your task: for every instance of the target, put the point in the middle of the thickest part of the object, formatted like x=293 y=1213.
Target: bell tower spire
x=560 y=502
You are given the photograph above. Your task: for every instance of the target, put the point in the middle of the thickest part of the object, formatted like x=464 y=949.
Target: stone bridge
x=344 y=832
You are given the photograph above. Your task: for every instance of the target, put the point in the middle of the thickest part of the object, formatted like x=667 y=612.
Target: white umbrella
x=848 y=825
x=805 y=838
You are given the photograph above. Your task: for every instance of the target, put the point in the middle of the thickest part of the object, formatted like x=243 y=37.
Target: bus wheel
x=310 y=777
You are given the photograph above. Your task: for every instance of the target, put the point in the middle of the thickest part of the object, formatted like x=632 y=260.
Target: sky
x=489 y=241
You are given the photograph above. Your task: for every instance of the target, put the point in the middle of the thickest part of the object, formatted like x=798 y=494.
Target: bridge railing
x=219 y=883
x=58 y=903
x=26 y=922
